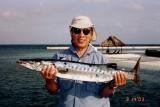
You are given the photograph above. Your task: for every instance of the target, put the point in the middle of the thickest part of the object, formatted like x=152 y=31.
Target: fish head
x=31 y=65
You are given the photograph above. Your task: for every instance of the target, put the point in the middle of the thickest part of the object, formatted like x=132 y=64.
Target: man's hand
x=120 y=78
x=48 y=72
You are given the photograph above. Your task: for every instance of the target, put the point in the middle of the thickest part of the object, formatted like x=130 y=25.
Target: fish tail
x=135 y=72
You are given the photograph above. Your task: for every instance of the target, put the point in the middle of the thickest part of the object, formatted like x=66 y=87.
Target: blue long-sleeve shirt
x=73 y=93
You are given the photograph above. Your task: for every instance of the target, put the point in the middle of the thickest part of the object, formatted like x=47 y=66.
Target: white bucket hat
x=83 y=22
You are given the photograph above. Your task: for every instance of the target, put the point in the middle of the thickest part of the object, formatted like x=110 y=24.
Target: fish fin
x=112 y=65
x=135 y=72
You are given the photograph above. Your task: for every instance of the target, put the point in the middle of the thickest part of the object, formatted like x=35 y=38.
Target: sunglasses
x=86 y=31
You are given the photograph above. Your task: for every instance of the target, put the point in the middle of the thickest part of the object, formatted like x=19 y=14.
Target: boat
x=152 y=52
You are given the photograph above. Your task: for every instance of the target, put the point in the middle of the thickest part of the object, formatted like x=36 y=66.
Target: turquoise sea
x=20 y=87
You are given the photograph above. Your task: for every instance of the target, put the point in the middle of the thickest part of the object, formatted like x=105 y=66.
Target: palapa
x=112 y=41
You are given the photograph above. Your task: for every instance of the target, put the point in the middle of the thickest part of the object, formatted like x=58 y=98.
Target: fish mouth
x=20 y=62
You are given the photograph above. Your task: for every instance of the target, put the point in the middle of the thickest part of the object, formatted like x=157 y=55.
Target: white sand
x=122 y=56
x=129 y=60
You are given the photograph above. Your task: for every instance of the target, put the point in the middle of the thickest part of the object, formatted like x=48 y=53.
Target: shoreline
x=104 y=48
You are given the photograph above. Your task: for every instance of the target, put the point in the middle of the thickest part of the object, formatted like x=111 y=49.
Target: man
x=74 y=93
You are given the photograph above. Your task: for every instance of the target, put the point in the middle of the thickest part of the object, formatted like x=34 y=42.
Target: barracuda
x=81 y=71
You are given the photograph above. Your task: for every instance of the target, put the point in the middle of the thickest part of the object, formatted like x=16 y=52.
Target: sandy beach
x=129 y=60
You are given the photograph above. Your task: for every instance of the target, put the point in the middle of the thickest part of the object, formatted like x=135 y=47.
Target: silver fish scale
x=86 y=69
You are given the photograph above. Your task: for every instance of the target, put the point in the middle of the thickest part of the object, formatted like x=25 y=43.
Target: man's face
x=81 y=37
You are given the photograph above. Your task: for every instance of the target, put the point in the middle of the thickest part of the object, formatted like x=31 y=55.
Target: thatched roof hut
x=112 y=41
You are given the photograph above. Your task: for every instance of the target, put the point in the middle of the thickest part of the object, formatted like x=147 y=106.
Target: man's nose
x=81 y=33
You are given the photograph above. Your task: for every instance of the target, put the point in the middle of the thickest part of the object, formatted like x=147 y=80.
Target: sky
x=47 y=21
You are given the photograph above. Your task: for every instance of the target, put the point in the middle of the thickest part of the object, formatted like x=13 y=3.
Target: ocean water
x=20 y=87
